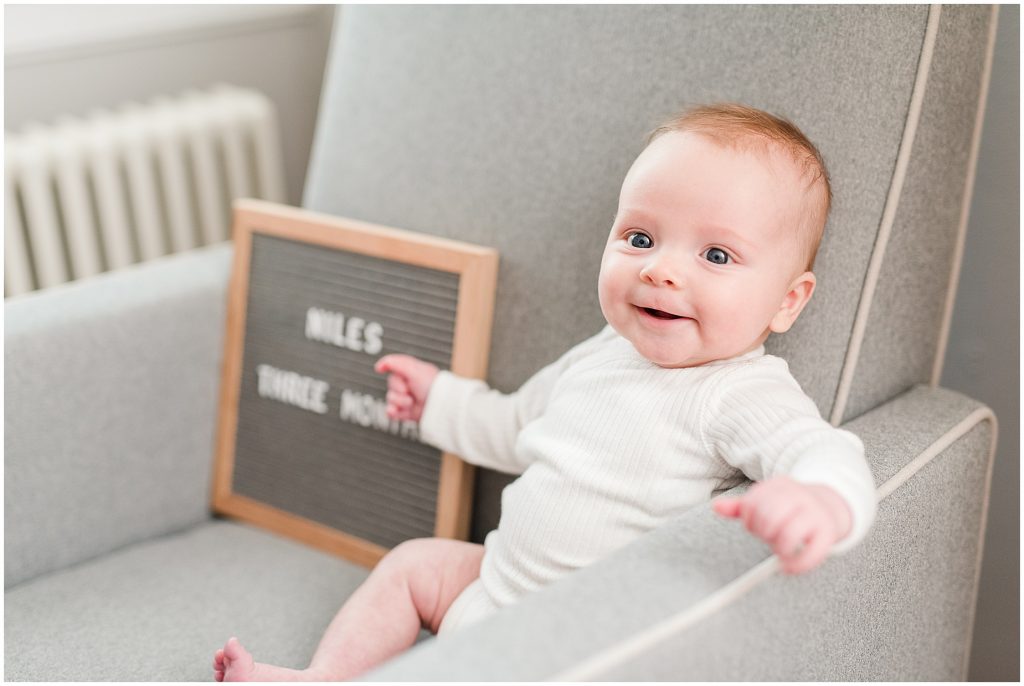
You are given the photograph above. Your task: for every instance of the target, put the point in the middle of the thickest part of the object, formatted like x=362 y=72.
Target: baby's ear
x=797 y=296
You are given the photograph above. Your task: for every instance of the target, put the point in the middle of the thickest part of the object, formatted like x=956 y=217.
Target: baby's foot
x=234 y=663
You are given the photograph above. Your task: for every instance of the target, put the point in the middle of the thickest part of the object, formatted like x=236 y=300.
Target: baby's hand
x=408 y=385
x=801 y=522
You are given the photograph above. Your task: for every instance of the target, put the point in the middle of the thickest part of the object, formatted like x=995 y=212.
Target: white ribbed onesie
x=610 y=446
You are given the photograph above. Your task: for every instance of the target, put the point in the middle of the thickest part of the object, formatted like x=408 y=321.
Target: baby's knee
x=408 y=554
x=439 y=555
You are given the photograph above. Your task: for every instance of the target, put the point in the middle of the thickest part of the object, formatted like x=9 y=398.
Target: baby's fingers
x=792 y=539
x=773 y=518
x=398 y=384
x=400 y=405
x=395 y=363
x=728 y=506
x=812 y=555
x=399 y=400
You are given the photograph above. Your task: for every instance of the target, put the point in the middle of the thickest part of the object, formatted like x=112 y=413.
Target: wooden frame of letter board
x=477 y=267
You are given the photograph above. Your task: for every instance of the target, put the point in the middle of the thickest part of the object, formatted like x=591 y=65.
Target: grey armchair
x=513 y=127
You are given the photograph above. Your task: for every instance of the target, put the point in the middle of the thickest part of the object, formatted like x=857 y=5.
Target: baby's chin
x=677 y=360
x=671 y=363
x=681 y=355
x=670 y=357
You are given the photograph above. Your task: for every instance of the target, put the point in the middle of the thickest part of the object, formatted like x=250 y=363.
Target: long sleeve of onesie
x=481 y=425
x=761 y=422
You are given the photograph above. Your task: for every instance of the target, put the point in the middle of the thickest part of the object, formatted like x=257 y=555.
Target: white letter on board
x=374 y=338
x=313 y=325
x=264 y=372
x=318 y=392
x=292 y=389
x=354 y=333
x=351 y=408
x=370 y=412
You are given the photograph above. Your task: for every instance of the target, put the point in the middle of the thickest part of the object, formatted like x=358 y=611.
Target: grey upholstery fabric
x=860 y=617
x=902 y=334
x=112 y=390
x=513 y=126
x=158 y=610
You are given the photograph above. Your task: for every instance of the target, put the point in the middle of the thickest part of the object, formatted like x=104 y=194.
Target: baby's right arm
x=465 y=416
x=460 y=415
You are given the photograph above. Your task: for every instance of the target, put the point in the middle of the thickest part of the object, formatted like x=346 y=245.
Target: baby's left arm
x=801 y=522
x=815 y=494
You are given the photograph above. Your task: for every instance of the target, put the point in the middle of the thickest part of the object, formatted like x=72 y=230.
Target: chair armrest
x=700 y=599
x=111 y=405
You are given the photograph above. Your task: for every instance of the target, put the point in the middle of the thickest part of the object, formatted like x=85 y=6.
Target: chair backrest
x=513 y=126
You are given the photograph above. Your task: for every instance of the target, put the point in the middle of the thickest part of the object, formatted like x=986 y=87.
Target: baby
x=718 y=223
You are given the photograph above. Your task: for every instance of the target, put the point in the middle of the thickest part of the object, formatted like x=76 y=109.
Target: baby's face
x=704 y=259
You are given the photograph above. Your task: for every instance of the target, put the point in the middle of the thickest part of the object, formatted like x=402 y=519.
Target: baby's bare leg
x=411 y=588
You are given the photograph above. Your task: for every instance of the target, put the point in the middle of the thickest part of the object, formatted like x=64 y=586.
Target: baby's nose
x=662 y=273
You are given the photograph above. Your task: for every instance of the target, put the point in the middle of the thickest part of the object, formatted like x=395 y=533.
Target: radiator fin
x=89 y=194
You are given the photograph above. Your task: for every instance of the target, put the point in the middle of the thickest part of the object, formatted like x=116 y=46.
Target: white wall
x=70 y=59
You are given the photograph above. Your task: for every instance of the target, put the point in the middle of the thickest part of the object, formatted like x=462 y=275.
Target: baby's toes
x=218 y=665
x=233 y=650
x=238 y=663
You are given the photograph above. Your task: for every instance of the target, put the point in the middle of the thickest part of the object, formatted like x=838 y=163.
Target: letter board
x=304 y=446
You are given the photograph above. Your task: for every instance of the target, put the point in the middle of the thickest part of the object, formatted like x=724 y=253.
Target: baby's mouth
x=661 y=314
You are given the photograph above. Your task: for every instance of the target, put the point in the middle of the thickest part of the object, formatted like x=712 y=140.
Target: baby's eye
x=639 y=240
x=717 y=256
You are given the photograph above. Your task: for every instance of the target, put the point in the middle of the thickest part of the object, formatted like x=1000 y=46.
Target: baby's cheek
x=604 y=289
x=744 y=319
x=611 y=294
x=726 y=325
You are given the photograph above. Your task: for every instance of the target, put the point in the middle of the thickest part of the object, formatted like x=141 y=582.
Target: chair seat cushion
x=158 y=610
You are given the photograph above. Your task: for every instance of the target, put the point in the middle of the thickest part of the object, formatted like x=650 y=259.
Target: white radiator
x=86 y=195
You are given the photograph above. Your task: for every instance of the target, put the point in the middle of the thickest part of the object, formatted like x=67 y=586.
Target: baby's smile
x=660 y=314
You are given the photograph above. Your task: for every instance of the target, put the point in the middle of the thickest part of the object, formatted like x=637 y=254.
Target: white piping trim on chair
x=892 y=204
x=936 y=448
x=591 y=669
x=965 y=207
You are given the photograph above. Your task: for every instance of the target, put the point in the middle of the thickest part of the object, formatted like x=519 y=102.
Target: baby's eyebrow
x=730 y=236
x=635 y=214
